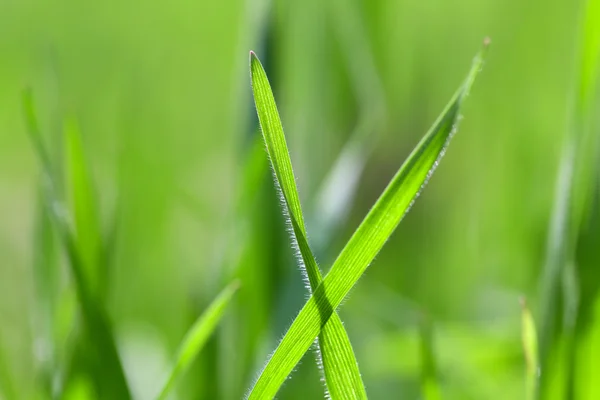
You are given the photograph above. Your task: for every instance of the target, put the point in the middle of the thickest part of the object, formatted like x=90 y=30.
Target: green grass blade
x=7 y=388
x=197 y=336
x=338 y=360
x=366 y=242
x=272 y=132
x=112 y=383
x=574 y=188
x=348 y=21
x=337 y=192
x=34 y=133
x=587 y=387
x=250 y=312
x=85 y=213
x=96 y=321
x=46 y=276
x=530 y=351
x=430 y=387
x=590 y=55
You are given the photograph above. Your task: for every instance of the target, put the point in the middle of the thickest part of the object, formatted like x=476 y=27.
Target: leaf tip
x=255 y=65
x=487 y=41
x=253 y=58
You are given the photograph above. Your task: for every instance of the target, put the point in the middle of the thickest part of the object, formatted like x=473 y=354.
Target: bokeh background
x=162 y=94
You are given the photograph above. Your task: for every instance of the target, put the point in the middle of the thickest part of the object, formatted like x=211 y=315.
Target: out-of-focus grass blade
x=353 y=38
x=197 y=336
x=587 y=333
x=364 y=245
x=339 y=363
x=337 y=191
x=112 y=383
x=590 y=52
x=586 y=387
x=574 y=188
x=429 y=376
x=7 y=388
x=530 y=351
x=80 y=388
x=83 y=204
x=34 y=132
x=96 y=321
x=47 y=286
x=249 y=315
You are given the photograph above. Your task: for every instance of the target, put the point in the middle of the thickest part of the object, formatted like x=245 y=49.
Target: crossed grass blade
x=335 y=353
x=366 y=242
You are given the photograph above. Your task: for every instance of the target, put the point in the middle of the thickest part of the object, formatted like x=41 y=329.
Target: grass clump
x=77 y=227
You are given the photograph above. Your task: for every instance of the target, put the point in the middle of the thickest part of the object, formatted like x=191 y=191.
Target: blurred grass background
x=162 y=94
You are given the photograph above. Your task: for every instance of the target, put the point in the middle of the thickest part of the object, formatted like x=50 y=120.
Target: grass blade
x=85 y=213
x=530 y=351
x=96 y=321
x=7 y=388
x=573 y=197
x=34 y=133
x=338 y=360
x=197 y=336
x=339 y=187
x=366 y=242
x=112 y=382
x=430 y=387
x=46 y=275
x=588 y=350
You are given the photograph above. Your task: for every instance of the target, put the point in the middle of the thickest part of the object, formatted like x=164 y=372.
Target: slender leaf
x=7 y=388
x=573 y=197
x=47 y=271
x=239 y=257
x=83 y=204
x=34 y=133
x=587 y=387
x=430 y=387
x=95 y=318
x=530 y=351
x=353 y=38
x=197 y=336
x=113 y=383
x=339 y=363
x=364 y=245
x=339 y=186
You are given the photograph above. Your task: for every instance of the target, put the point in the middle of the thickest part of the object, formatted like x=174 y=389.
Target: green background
x=162 y=93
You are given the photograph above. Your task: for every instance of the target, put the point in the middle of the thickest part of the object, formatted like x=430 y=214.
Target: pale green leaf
x=364 y=245
x=196 y=337
x=338 y=189
x=590 y=54
x=573 y=198
x=83 y=203
x=7 y=388
x=430 y=387
x=530 y=351
x=339 y=363
x=46 y=275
